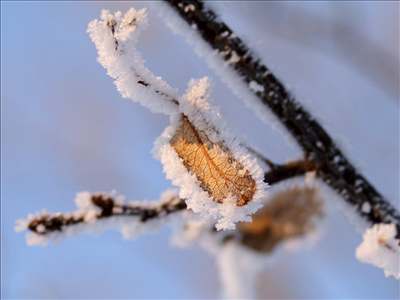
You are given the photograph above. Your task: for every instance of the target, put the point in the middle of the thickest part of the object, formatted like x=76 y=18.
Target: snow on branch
x=246 y=74
x=98 y=212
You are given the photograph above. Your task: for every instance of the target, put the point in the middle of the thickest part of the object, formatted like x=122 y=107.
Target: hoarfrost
x=195 y=105
x=366 y=207
x=255 y=87
x=381 y=249
x=114 y=36
x=129 y=226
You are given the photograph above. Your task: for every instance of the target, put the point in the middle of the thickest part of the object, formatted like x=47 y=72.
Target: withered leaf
x=213 y=164
x=290 y=213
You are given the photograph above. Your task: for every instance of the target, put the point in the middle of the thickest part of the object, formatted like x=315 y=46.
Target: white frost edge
x=196 y=106
x=381 y=249
x=126 y=65
x=223 y=69
x=129 y=226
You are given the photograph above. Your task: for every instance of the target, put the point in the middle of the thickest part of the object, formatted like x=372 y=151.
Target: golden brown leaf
x=214 y=166
x=289 y=214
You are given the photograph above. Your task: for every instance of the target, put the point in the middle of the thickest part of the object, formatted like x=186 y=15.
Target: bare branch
x=291 y=169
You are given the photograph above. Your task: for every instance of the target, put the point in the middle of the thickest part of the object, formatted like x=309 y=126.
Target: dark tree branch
x=291 y=169
x=281 y=172
x=332 y=165
x=108 y=207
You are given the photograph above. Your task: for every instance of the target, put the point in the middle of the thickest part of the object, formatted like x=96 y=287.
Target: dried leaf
x=289 y=214
x=213 y=164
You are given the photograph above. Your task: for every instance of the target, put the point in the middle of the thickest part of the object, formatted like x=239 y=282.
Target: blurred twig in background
x=331 y=36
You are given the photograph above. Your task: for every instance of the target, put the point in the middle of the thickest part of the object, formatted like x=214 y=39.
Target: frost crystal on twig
x=98 y=212
x=381 y=248
x=216 y=175
x=96 y=209
x=115 y=36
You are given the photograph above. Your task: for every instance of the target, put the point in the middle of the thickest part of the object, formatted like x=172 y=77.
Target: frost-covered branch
x=332 y=165
x=100 y=206
x=106 y=206
x=115 y=37
x=99 y=211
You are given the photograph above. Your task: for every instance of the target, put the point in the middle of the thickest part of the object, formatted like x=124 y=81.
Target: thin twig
x=107 y=206
x=332 y=165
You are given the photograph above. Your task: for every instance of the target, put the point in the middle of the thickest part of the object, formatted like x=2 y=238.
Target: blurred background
x=65 y=129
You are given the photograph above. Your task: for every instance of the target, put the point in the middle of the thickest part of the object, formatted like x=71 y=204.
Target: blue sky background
x=66 y=129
